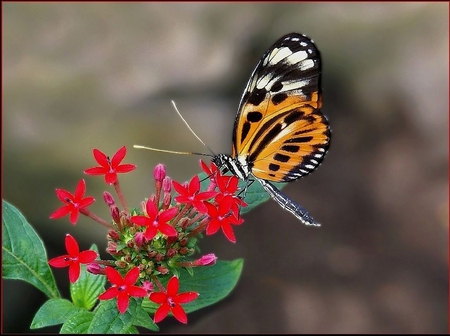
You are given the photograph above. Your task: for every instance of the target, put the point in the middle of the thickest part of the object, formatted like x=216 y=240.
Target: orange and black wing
x=279 y=129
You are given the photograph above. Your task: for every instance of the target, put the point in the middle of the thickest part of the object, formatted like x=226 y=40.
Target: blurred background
x=78 y=76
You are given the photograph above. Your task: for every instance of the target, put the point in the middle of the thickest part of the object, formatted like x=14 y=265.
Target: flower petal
x=61 y=212
x=168 y=214
x=141 y=220
x=161 y=312
x=80 y=191
x=71 y=245
x=60 y=262
x=87 y=256
x=111 y=178
x=137 y=291
x=131 y=277
x=179 y=188
x=118 y=157
x=167 y=230
x=74 y=271
x=179 y=313
x=113 y=276
x=173 y=286
x=122 y=302
x=158 y=297
x=194 y=185
x=101 y=158
x=228 y=231
x=63 y=195
x=151 y=232
x=151 y=208
x=110 y=293
x=213 y=227
x=85 y=202
x=186 y=297
x=96 y=171
x=74 y=216
x=125 y=168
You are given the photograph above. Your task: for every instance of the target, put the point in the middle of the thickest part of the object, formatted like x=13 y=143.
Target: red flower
x=110 y=168
x=73 y=259
x=171 y=301
x=228 y=185
x=74 y=203
x=156 y=222
x=191 y=195
x=212 y=173
x=122 y=288
x=222 y=217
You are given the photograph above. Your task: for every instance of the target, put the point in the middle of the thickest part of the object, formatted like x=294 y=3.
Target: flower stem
x=120 y=194
x=86 y=212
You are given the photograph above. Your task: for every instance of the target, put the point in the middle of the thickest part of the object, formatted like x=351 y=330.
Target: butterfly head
x=225 y=163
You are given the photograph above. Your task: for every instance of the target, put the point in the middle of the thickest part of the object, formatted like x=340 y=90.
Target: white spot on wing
x=307 y=64
x=298 y=57
x=309 y=166
x=294 y=85
x=279 y=54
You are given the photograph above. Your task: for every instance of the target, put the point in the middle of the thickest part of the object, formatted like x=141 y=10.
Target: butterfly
x=279 y=132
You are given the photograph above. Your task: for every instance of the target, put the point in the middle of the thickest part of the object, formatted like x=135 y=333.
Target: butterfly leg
x=288 y=204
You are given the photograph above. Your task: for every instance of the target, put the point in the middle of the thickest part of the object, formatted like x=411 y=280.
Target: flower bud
x=207 y=260
x=113 y=235
x=167 y=184
x=171 y=253
x=162 y=269
x=148 y=286
x=115 y=213
x=159 y=173
x=95 y=268
x=108 y=198
x=139 y=239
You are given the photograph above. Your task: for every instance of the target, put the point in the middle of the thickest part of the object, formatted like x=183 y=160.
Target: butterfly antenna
x=184 y=120
x=177 y=152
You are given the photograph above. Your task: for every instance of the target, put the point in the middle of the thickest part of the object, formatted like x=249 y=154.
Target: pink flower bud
x=207 y=260
x=167 y=184
x=115 y=213
x=109 y=200
x=139 y=239
x=113 y=235
x=95 y=268
x=148 y=286
x=159 y=173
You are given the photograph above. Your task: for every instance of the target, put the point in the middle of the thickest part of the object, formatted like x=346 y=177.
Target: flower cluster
x=154 y=240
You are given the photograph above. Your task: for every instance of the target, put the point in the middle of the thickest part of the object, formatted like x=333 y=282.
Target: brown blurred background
x=79 y=76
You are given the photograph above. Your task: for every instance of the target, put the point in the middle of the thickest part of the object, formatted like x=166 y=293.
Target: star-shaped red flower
x=171 y=301
x=191 y=194
x=73 y=202
x=222 y=217
x=110 y=168
x=122 y=288
x=74 y=259
x=228 y=186
x=156 y=221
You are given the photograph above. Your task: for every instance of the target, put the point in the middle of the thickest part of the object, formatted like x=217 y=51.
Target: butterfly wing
x=279 y=129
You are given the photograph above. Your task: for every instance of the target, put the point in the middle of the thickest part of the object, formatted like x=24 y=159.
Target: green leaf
x=107 y=318
x=144 y=320
x=213 y=283
x=255 y=195
x=87 y=288
x=78 y=323
x=24 y=255
x=53 y=312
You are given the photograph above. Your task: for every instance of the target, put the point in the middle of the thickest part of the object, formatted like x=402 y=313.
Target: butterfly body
x=279 y=133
